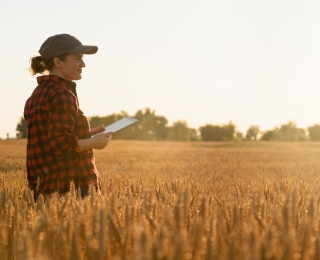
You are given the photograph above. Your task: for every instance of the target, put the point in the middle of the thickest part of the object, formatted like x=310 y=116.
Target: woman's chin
x=77 y=78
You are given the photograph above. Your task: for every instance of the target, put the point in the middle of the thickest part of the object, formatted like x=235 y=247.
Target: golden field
x=171 y=200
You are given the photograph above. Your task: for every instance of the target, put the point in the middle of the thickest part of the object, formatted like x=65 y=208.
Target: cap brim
x=84 y=49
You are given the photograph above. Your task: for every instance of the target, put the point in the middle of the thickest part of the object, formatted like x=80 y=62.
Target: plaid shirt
x=55 y=123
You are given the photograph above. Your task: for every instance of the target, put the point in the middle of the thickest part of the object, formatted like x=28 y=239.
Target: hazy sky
x=252 y=62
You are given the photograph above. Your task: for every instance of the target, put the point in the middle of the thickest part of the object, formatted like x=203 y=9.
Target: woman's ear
x=56 y=62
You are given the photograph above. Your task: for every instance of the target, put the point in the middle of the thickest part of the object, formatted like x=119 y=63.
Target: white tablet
x=122 y=123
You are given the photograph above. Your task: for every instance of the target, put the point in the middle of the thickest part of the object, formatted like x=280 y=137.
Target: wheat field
x=171 y=200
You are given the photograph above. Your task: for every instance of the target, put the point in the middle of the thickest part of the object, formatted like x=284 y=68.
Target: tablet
x=122 y=123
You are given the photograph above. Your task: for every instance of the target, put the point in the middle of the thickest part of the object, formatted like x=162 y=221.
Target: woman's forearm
x=86 y=143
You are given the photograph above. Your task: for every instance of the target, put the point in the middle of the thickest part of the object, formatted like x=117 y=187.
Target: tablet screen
x=122 y=123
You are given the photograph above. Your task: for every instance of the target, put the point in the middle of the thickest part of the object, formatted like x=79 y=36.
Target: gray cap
x=64 y=43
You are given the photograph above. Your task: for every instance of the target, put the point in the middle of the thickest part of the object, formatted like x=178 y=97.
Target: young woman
x=60 y=146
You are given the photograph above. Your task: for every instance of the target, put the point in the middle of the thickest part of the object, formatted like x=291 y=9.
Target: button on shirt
x=55 y=123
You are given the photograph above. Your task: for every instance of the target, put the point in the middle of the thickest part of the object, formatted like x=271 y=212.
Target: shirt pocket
x=82 y=127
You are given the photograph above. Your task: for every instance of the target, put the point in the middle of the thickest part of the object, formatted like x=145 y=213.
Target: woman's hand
x=97 y=130
x=100 y=141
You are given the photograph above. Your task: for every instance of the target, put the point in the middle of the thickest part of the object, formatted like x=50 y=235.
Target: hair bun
x=37 y=65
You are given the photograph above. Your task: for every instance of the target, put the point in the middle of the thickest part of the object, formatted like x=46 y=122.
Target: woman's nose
x=82 y=64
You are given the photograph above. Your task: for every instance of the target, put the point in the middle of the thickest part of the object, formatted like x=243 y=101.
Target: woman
x=60 y=147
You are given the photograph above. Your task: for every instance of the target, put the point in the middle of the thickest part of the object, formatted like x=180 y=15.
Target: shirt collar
x=52 y=78
x=45 y=78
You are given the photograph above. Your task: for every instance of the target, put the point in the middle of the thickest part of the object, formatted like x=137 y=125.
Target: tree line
x=155 y=127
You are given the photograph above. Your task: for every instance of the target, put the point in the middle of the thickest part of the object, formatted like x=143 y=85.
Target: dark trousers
x=84 y=191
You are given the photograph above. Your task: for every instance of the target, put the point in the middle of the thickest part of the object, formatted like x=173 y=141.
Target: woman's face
x=71 y=67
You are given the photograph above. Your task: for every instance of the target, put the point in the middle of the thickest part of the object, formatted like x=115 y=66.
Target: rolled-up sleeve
x=61 y=137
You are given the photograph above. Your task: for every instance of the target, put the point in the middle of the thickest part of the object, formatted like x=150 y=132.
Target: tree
x=290 y=132
x=287 y=132
x=180 y=131
x=239 y=136
x=252 y=133
x=21 y=129
x=314 y=133
x=218 y=133
x=269 y=135
x=150 y=125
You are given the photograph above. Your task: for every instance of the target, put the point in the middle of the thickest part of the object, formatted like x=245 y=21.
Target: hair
x=39 y=65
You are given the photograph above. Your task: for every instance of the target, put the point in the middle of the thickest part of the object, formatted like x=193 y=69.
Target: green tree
x=217 y=132
x=150 y=125
x=287 y=132
x=269 y=135
x=239 y=136
x=21 y=129
x=252 y=133
x=180 y=131
x=290 y=132
x=314 y=133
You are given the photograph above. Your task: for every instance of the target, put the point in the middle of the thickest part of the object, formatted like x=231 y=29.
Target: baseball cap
x=64 y=43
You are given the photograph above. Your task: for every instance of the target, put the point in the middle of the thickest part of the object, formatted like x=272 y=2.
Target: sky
x=206 y=62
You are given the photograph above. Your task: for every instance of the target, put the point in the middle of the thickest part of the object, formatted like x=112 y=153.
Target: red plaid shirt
x=55 y=123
